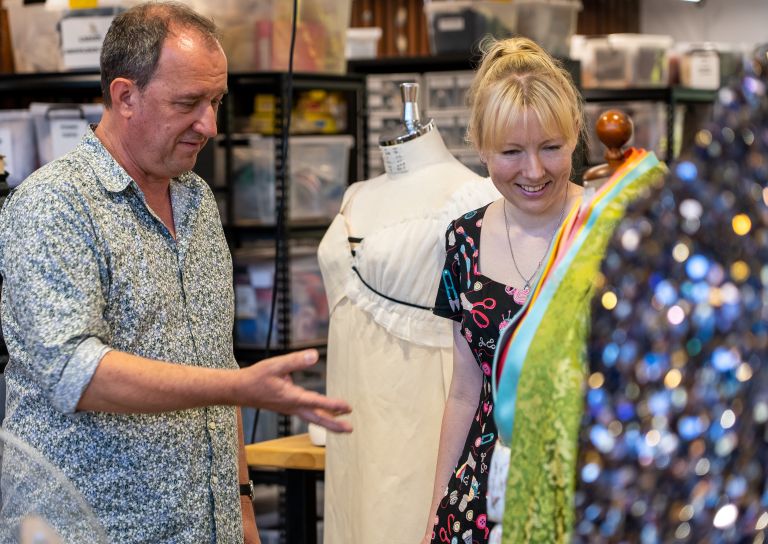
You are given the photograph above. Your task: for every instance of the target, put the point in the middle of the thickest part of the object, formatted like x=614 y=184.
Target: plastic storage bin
x=319 y=167
x=550 y=23
x=256 y=33
x=59 y=127
x=51 y=37
x=623 y=60
x=362 y=43
x=699 y=67
x=254 y=281
x=383 y=91
x=17 y=143
x=446 y=90
x=456 y=26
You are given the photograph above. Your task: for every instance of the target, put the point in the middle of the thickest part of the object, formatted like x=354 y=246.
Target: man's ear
x=124 y=93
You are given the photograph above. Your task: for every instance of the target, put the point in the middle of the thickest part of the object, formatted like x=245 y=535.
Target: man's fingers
x=316 y=401
x=324 y=419
x=291 y=362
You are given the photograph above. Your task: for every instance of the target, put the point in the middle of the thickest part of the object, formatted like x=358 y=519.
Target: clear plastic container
x=319 y=167
x=550 y=23
x=59 y=127
x=456 y=26
x=623 y=60
x=51 y=37
x=362 y=43
x=383 y=91
x=17 y=143
x=256 y=33
x=35 y=37
x=254 y=281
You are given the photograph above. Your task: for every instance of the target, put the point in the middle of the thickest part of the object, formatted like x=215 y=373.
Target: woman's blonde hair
x=516 y=74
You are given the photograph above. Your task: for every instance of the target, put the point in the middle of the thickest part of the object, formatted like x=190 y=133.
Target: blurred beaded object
x=674 y=440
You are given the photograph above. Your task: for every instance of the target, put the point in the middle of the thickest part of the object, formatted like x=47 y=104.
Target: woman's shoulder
x=469 y=221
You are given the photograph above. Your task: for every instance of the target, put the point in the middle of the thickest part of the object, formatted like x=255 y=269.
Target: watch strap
x=246 y=490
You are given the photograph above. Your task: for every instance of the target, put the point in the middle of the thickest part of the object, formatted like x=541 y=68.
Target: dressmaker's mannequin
x=388 y=355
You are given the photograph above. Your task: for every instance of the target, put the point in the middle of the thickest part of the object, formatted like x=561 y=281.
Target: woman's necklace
x=521 y=295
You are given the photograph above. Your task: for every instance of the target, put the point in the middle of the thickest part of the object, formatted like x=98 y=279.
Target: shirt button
x=214 y=480
x=212 y=425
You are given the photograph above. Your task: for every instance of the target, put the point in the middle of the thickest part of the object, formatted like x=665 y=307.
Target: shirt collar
x=110 y=174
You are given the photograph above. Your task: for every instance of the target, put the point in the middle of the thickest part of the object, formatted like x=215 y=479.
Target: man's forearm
x=125 y=383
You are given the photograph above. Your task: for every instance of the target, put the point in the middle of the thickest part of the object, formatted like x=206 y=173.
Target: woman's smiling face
x=533 y=166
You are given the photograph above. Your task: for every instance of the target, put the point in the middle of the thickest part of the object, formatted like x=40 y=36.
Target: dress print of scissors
x=445 y=535
x=480 y=318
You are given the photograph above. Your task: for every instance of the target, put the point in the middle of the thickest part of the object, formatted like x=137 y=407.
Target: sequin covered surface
x=674 y=441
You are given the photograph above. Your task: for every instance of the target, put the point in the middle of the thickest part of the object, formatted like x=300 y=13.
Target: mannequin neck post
x=409 y=156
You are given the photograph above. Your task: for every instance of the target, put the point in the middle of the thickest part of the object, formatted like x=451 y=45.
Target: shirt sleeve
x=447 y=302
x=53 y=299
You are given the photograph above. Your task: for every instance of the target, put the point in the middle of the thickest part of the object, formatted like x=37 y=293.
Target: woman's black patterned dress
x=484 y=308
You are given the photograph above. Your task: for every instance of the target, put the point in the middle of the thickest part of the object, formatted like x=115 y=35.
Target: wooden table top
x=294 y=452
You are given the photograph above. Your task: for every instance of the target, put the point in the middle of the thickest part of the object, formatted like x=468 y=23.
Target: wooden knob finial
x=614 y=129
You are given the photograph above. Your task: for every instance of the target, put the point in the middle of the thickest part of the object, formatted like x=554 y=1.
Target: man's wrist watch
x=246 y=490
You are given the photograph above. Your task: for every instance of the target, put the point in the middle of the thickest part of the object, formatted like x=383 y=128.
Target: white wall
x=728 y=21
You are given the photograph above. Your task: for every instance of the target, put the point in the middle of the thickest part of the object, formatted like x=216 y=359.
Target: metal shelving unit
x=242 y=89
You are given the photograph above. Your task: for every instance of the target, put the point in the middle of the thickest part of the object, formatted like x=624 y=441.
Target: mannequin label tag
x=394 y=162
x=65 y=135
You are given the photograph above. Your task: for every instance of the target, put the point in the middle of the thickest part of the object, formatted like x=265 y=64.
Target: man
x=118 y=302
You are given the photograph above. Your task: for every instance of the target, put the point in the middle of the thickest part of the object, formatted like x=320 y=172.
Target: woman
x=526 y=118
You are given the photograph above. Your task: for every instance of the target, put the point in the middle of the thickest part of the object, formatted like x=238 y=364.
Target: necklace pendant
x=521 y=295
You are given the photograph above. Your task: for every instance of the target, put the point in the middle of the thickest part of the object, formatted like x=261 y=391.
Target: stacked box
x=254 y=282
x=319 y=167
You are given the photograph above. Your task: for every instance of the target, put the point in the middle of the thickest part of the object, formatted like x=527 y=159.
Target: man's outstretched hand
x=268 y=384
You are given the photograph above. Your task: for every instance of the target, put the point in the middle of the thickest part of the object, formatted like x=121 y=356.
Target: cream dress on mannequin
x=391 y=361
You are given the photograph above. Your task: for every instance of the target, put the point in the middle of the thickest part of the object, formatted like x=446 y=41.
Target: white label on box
x=6 y=148
x=66 y=134
x=704 y=72
x=450 y=24
x=81 y=39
